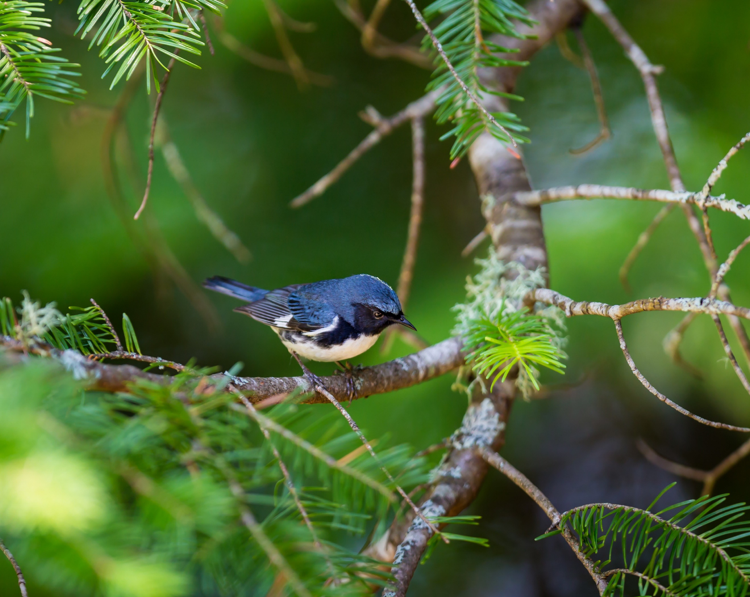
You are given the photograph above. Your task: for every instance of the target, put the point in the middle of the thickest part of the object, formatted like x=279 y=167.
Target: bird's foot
x=348 y=372
x=314 y=381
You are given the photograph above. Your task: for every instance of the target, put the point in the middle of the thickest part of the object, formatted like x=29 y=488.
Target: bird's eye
x=377 y=314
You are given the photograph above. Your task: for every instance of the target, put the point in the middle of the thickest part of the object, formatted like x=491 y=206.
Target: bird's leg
x=351 y=387
x=314 y=380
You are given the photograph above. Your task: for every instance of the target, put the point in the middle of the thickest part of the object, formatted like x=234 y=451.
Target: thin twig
x=725 y=267
x=658 y=117
x=288 y=478
x=16 y=567
x=385 y=126
x=680 y=470
x=643 y=577
x=415 y=223
x=717 y=172
x=230 y=42
x=202 y=17
x=672 y=341
x=646 y=384
x=387 y=473
x=640 y=244
x=110 y=327
x=203 y=211
x=415 y=218
x=439 y=47
x=290 y=55
x=498 y=462
x=157 y=109
x=708 y=478
x=596 y=87
x=382 y=47
x=594 y=191
x=474 y=243
x=371 y=26
x=134 y=356
x=730 y=354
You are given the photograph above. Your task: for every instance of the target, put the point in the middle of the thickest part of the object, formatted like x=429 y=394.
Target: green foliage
x=696 y=547
x=172 y=485
x=29 y=67
x=84 y=330
x=129 y=32
x=513 y=338
x=462 y=32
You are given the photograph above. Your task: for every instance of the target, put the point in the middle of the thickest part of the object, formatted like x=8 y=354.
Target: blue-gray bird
x=332 y=320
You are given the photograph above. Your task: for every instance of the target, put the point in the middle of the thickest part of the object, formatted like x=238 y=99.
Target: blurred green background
x=252 y=141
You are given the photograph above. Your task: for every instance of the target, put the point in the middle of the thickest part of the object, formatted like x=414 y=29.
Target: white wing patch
x=329 y=328
x=280 y=322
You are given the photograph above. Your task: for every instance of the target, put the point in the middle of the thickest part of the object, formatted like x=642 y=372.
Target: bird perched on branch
x=328 y=321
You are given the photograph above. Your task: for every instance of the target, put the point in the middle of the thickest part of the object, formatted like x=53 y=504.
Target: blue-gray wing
x=309 y=310
x=273 y=309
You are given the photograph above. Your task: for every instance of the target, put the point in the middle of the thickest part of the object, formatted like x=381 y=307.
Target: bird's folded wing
x=309 y=310
x=274 y=310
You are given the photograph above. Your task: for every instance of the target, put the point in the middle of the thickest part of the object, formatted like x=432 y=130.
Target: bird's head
x=376 y=305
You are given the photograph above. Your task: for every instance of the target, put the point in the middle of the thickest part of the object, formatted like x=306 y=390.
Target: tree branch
x=17 y=568
x=498 y=462
x=592 y=191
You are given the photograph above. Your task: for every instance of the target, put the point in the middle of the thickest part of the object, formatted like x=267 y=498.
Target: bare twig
x=643 y=577
x=646 y=384
x=672 y=343
x=593 y=191
x=230 y=42
x=385 y=126
x=415 y=222
x=498 y=462
x=658 y=117
x=708 y=478
x=717 y=172
x=204 y=213
x=573 y=308
x=439 y=47
x=16 y=567
x=381 y=46
x=671 y=467
x=157 y=109
x=134 y=356
x=724 y=268
x=474 y=243
x=730 y=354
x=415 y=218
x=640 y=244
x=202 y=17
x=290 y=55
x=370 y=449
x=109 y=325
x=371 y=26
x=601 y=111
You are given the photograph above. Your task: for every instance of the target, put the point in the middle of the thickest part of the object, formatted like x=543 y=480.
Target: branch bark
x=517 y=235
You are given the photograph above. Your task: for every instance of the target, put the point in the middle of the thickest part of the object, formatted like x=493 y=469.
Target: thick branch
x=394 y=375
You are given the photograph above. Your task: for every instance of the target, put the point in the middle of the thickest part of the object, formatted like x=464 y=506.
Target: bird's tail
x=234 y=288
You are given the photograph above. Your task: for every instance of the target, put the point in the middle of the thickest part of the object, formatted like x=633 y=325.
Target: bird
x=327 y=321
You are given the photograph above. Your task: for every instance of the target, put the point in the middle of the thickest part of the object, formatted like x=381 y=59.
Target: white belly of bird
x=349 y=349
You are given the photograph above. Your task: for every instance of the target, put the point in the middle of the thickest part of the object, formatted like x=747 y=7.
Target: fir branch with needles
x=462 y=35
x=29 y=65
x=130 y=32
x=692 y=548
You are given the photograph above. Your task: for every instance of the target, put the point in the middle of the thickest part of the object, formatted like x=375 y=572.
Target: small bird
x=328 y=321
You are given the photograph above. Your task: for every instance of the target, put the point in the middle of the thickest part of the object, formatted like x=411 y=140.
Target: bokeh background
x=252 y=141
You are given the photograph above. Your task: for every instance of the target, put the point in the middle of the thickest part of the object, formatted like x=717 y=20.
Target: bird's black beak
x=405 y=322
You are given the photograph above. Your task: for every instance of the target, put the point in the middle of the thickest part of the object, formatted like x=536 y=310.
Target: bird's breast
x=318 y=349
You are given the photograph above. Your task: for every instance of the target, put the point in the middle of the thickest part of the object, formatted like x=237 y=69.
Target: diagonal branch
x=16 y=567
x=498 y=462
